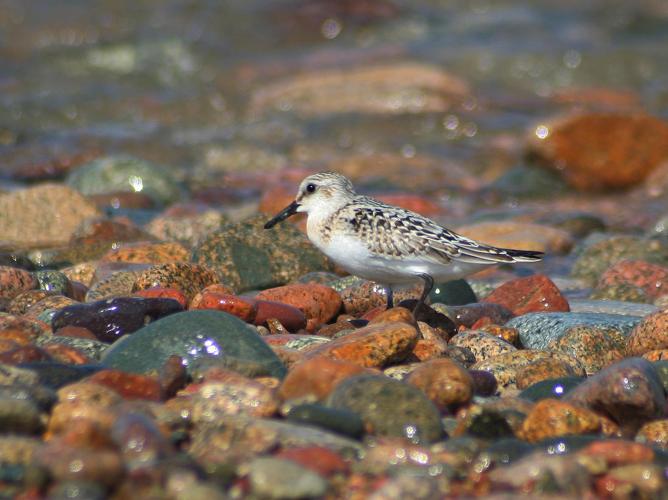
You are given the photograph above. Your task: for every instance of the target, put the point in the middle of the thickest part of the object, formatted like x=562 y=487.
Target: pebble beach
x=156 y=342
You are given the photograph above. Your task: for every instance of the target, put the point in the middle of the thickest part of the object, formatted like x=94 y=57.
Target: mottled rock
x=650 y=334
x=612 y=307
x=159 y=292
x=538 y=330
x=14 y=281
x=316 y=378
x=22 y=302
x=504 y=367
x=445 y=382
x=535 y=293
x=654 y=433
x=113 y=318
x=45 y=215
x=594 y=347
x=360 y=296
x=618 y=452
x=552 y=418
x=122 y=173
x=187 y=229
x=389 y=407
x=192 y=335
x=186 y=277
x=129 y=385
x=248 y=257
x=66 y=463
x=652 y=279
x=630 y=392
x=148 y=253
x=19 y=415
x=597 y=151
x=319 y=303
x=542 y=369
x=599 y=256
x=373 y=346
x=118 y=284
x=132 y=428
x=471 y=314
x=482 y=345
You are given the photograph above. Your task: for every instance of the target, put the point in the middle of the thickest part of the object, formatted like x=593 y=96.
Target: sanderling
x=384 y=243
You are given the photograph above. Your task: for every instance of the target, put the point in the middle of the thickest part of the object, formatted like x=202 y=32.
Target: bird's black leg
x=428 y=285
x=390 y=296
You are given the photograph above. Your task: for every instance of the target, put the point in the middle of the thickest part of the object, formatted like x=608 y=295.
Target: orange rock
x=619 y=452
x=317 y=377
x=649 y=335
x=373 y=346
x=552 y=418
x=242 y=308
x=542 y=369
x=595 y=151
x=444 y=381
x=129 y=385
x=318 y=302
x=289 y=316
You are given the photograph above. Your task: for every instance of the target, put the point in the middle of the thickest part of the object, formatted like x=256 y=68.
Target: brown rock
x=399 y=314
x=65 y=463
x=316 y=378
x=650 y=278
x=22 y=302
x=595 y=347
x=66 y=415
x=595 y=151
x=507 y=333
x=553 y=418
x=373 y=346
x=216 y=287
x=67 y=354
x=24 y=354
x=483 y=345
x=129 y=385
x=289 y=316
x=150 y=253
x=542 y=369
x=432 y=345
x=535 y=293
x=186 y=277
x=319 y=303
x=654 y=433
x=656 y=355
x=649 y=335
x=14 y=281
x=159 y=292
x=618 y=452
x=444 y=381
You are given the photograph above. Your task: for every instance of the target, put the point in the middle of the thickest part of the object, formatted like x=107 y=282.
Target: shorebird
x=387 y=244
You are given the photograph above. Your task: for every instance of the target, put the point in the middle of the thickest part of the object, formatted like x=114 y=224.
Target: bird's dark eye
x=310 y=188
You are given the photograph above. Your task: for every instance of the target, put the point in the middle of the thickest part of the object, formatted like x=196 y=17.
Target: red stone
x=216 y=287
x=129 y=385
x=159 y=292
x=535 y=293
x=619 y=452
x=319 y=303
x=78 y=332
x=317 y=377
x=290 y=317
x=316 y=458
x=67 y=354
x=243 y=308
x=651 y=278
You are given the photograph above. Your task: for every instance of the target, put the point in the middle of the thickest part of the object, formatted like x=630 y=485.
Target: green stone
x=453 y=293
x=191 y=335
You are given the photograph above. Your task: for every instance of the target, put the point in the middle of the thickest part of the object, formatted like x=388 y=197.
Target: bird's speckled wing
x=393 y=232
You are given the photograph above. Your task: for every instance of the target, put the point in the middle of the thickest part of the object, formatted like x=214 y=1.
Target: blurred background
x=468 y=103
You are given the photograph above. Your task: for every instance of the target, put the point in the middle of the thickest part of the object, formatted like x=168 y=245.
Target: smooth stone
x=503 y=451
x=535 y=293
x=444 y=381
x=66 y=463
x=241 y=307
x=234 y=394
x=40 y=395
x=661 y=368
x=630 y=392
x=484 y=383
x=290 y=317
x=537 y=330
x=453 y=293
x=18 y=450
x=118 y=284
x=554 y=388
x=121 y=173
x=612 y=307
x=280 y=478
x=129 y=385
x=55 y=375
x=23 y=301
x=133 y=428
x=519 y=235
x=339 y=421
x=186 y=229
x=148 y=253
x=526 y=182
x=158 y=292
x=360 y=296
x=191 y=335
x=11 y=375
x=652 y=279
x=317 y=458
x=54 y=281
x=319 y=303
x=553 y=418
x=77 y=490
x=186 y=277
x=389 y=407
x=112 y=318
x=484 y=423
x=93 y=349
x=594 y=347
x=470 y=314
x=44 y=215
x=248 y=257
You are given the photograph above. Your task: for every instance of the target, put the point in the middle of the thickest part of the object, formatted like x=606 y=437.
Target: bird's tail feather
x=524 y=255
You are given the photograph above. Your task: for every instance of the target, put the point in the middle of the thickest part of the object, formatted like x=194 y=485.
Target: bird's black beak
x=291 y=209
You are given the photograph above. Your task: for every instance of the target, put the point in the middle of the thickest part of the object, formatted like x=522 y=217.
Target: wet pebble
x=537 y=330
x=483 y=345
x=360 y=296
x=272 y=477
x=389 y=407
x=319 y=303
x=186 y=277
x=445 y=382
x=594 y=347
x=543 y=369
x=148 y=253
x=552 y=418
x=554 y=388
x=117 y=284
x=650 y=334
x=112 y=318
x=133 y=428
x=652 y=279
x=14 y=281
x=192 y=335
x=337 y=420
x=630 y=392
x=654 y=433
x=292 y=318
x=129 y=385
x=54 y=281
x=242 y=308
x=471 y=314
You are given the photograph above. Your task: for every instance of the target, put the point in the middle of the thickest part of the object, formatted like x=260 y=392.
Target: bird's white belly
x=352 y=254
